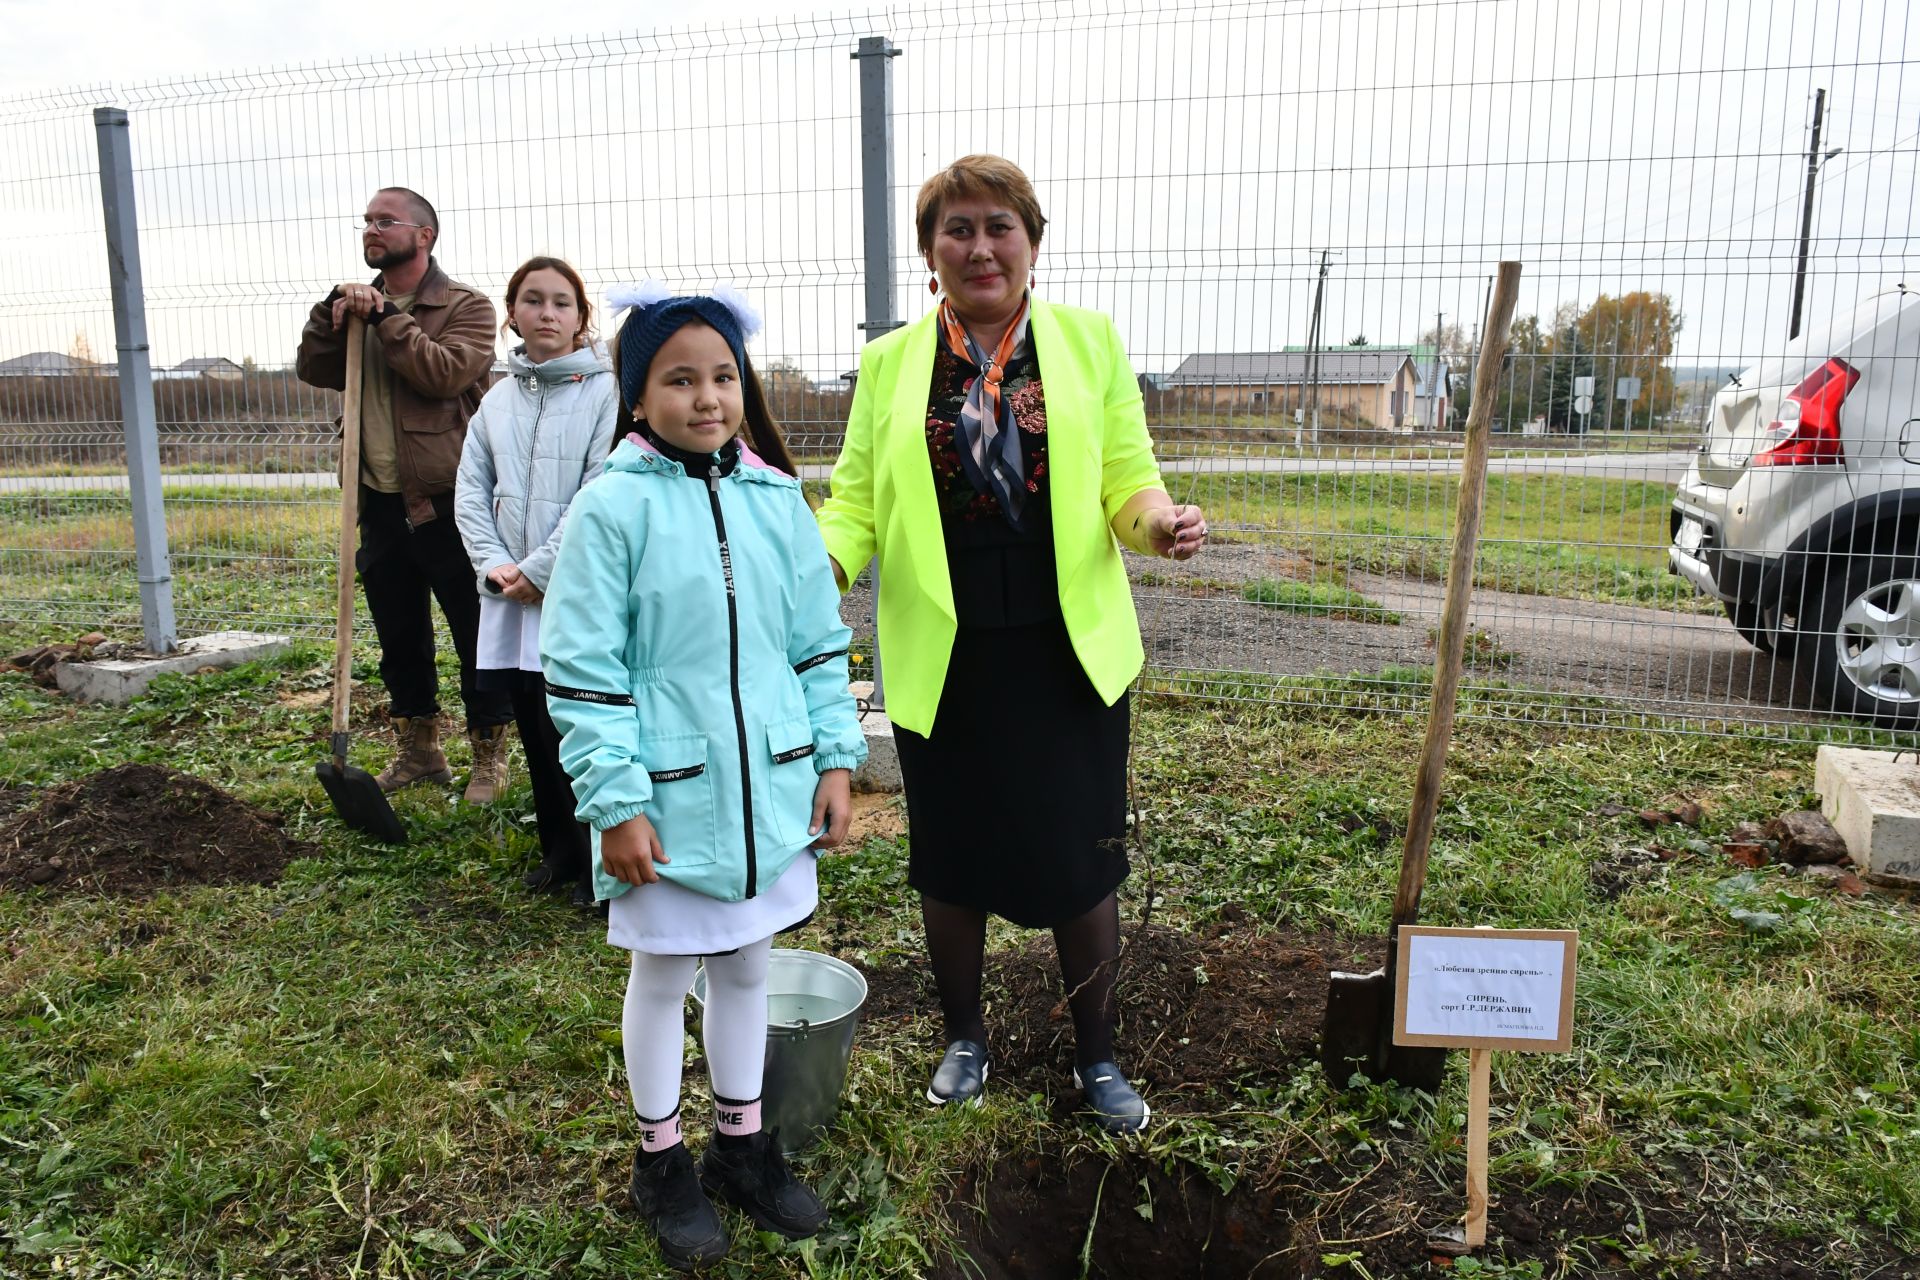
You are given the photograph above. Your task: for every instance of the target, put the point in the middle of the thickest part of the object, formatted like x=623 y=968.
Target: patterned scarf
x=986 y=437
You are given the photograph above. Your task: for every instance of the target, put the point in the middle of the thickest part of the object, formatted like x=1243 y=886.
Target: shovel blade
x=1358 y=1007
x=1357 y=1035
x=360 y=802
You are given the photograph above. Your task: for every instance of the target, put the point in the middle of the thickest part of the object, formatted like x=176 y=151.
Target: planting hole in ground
x=1035 y=1219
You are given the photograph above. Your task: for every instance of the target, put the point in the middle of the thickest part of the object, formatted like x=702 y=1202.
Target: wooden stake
x=1450 y=645
x=1480 y=1074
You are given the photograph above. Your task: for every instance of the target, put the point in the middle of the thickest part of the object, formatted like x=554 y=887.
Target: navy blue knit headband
x=656 y=315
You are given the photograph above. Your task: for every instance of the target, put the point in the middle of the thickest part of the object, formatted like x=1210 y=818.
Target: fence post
x=875 y=56
x=136 y=381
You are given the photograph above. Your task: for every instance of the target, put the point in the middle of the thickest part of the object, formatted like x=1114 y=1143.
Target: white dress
x=664 y=919
x=509 y=637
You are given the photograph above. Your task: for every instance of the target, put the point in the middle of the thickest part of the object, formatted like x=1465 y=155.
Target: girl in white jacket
x=541 y=433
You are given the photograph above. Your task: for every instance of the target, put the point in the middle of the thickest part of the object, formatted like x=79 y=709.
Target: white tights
x=735 y=1028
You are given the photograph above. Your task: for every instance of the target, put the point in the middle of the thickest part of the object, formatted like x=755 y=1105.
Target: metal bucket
x=813 y=1009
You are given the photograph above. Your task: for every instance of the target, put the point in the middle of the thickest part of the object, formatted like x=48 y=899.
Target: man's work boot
x=489 y=778
x=420 y=758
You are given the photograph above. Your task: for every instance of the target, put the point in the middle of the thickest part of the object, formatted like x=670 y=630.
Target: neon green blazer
x=883 y=502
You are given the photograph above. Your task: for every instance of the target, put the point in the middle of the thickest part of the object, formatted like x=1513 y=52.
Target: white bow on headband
x=649 y=293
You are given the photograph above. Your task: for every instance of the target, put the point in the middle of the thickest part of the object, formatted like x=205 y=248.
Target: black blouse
x=1001 y=577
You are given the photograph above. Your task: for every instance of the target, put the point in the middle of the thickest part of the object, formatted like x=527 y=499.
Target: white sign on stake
x=1484 y=989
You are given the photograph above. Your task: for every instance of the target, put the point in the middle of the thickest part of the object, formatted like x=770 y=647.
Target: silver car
x=1801 y=512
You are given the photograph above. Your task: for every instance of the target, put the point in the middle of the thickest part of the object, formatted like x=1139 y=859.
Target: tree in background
x=1569 y=357
x=1524 y=375
x=81 y=351
x=1631 y=336
x=787 y=386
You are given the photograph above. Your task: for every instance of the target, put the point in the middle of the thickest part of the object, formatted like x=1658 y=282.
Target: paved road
x=1664 y=467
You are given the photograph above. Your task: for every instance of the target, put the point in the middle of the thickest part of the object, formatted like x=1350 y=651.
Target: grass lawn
x=1578 y=537
x=393 y=1063
x=262 y=559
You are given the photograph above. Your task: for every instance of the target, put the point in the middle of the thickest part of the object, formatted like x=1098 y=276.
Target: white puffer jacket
x=541 y=433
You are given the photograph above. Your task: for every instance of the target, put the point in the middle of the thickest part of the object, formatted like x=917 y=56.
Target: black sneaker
x=755 y=1178
x=961 y=1076
x=667 y=1193
x=1116 y=1105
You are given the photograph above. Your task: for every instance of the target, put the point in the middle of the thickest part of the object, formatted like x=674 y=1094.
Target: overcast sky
x=1192 y=159
x=136 y=40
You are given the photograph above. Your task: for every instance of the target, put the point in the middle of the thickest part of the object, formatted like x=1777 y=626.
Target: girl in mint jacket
x=697 y=667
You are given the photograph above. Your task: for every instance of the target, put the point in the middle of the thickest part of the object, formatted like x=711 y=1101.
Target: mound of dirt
x=137 y=827
x=1197 y=1011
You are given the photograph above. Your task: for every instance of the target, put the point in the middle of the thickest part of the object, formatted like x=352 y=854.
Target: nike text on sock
x=736 y=1119
x=658 y=1135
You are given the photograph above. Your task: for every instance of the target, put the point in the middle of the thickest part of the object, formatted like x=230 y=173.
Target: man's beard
x=381 y=259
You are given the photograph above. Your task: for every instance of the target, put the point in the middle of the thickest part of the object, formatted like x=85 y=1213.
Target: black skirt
x=1017 y=802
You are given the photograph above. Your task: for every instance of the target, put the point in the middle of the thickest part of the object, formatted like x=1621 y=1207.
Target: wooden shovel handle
x=349 y=520
x=1452 y=641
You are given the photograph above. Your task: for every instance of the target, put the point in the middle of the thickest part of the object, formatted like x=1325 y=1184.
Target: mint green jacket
x=883 y=501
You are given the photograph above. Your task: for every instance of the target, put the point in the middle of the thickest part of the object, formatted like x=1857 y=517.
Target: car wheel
x=1745 y=617
x=1866 y=655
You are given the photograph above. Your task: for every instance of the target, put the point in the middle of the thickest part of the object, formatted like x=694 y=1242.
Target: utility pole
x=1313 y=350
x=875 y=54
x=1433 y=386
x=1814 y=160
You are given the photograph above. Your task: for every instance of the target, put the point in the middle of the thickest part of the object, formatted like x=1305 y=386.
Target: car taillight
x=1810 y=419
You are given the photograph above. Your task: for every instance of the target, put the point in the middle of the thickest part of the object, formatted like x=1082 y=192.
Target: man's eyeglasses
x=384 y=225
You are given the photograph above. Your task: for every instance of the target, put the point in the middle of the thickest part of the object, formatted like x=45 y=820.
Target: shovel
x=355 y=793
x=1358 y=1032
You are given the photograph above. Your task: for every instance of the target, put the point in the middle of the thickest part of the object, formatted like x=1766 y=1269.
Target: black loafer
x=961 y=1075
x=1116 y=1105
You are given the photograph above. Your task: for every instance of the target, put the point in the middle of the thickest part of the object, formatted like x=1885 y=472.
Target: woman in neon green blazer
x=996 y=460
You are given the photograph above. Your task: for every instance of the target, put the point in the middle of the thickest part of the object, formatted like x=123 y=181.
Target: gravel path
x=1654 y=660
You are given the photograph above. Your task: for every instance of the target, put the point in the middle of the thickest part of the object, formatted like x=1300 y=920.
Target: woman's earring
x=933 y=285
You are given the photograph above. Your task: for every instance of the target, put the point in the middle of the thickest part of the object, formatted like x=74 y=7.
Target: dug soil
x=1206 y=1019
x=136 y=828
x=1198 y=1012
x=1051 y=1214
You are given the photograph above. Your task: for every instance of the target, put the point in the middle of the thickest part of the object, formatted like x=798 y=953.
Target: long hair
x=760 y=429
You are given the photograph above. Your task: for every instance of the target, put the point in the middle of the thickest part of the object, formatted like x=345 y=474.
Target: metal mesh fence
x=1291 y=211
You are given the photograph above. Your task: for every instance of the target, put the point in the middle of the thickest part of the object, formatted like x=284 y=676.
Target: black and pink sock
x=734 y=1122
x=657 y=1137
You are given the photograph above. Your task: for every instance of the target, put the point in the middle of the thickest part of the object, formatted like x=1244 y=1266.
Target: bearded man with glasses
x=429 y=349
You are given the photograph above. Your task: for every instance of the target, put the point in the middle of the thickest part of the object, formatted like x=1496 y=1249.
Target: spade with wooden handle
x=1358 y=1032
x=355 y=793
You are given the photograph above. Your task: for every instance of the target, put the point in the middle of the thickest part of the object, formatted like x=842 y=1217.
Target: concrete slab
x=117 y=681
x=881 y=772
x=1873 y=801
